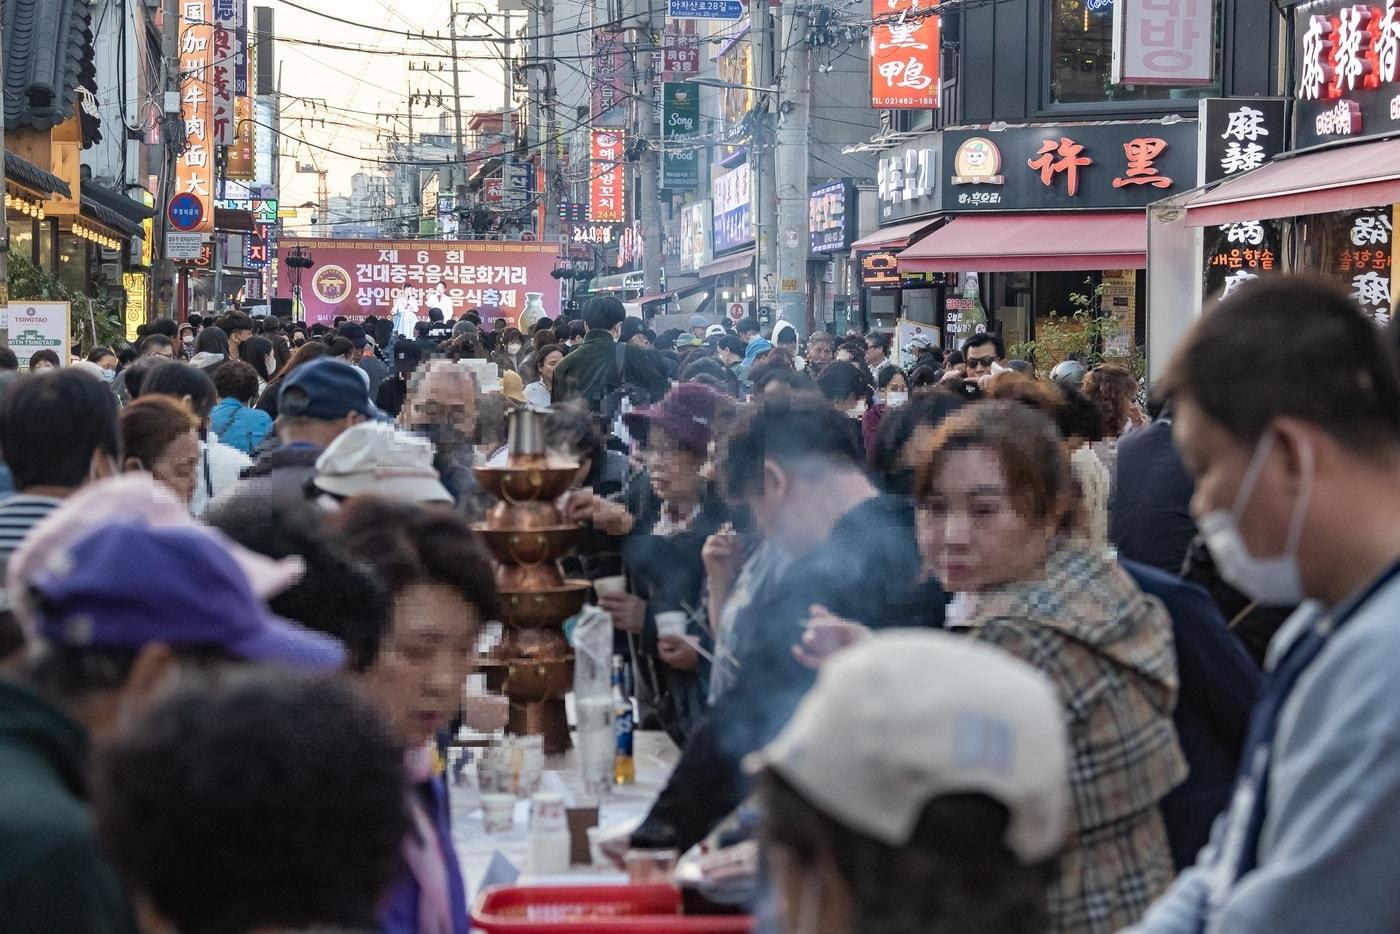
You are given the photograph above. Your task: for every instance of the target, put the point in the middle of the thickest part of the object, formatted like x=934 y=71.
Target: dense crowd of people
x=967 y=648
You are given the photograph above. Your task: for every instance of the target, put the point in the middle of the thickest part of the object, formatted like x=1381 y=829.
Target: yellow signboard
x=135 y=285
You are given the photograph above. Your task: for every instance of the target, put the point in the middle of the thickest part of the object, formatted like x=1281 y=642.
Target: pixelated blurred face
x=971 y=533
x=674 y=471
x=548 y=365
x=178 y=465
x=425 y=659
x=819 y=352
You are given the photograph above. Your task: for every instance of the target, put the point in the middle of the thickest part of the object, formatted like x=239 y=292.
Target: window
x=1081 y=57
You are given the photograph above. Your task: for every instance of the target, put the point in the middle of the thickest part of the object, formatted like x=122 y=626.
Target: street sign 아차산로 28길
x=705 y=9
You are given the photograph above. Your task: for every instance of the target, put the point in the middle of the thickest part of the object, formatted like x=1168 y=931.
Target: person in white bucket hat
x=922 y=786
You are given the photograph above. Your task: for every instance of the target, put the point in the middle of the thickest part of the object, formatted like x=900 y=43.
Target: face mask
x=109 y=375
x=894 y=398
x=512 y=348
x=188 y=341
x=857 y=410
x=1269 y=581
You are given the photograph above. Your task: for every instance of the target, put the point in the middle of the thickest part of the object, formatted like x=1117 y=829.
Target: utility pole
x=790 y=169
x=165 y=290
x=460 y=171
x=552 y=232
x=761 y=157
x=4 y=222
x=649 y=164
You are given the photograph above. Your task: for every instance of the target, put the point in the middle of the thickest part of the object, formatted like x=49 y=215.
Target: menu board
x=1237 y=253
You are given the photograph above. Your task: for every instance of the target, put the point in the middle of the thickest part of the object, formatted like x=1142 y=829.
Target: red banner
x=606 y=201
x=904 y=55
x=357 y=278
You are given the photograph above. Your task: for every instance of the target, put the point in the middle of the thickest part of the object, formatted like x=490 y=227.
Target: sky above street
x=350 y=101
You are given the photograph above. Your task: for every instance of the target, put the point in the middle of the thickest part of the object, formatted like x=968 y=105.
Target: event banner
x=38 y=326
x=357 y=278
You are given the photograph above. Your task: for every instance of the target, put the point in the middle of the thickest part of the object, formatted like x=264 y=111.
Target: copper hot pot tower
x=534 y=665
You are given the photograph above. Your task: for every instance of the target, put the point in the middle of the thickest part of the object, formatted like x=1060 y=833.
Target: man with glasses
x=159 y=346
x=980 y=351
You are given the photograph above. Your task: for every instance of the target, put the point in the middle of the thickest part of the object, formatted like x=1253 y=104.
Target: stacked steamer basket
x=533 y=666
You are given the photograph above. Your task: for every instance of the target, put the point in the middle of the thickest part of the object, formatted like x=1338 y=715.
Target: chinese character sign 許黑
x=904 y=55
x=194 y=167
x=607 y=178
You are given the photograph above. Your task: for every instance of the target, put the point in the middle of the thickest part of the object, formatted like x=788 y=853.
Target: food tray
x=594 y=909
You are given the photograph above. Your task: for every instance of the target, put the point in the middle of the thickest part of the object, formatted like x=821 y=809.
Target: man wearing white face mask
x=1296 y=460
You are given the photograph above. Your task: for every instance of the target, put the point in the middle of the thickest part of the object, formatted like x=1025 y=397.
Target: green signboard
x=680 y=125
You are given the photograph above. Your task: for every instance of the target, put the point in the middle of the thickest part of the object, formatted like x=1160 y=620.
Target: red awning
x=893 y=238
x=1342 y=179
x=1031 y=243
x=658 y=297
x=740 y=260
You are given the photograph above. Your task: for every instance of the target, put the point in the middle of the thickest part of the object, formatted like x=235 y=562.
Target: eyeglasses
x=974 y=363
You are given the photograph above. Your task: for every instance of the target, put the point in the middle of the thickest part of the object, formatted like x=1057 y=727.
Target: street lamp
x=759 y=227
x=297 y=260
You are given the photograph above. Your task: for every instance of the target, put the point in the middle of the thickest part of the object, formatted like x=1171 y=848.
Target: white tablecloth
x=655 y=757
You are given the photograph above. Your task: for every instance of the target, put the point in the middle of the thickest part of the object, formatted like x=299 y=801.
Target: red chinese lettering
x=1064 y=156
x=1141 y=154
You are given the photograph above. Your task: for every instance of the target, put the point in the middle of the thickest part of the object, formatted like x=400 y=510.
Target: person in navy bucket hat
x=100 y=592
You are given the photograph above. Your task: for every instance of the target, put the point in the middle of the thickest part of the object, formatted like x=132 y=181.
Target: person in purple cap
x=112 y=637
x=678 y=512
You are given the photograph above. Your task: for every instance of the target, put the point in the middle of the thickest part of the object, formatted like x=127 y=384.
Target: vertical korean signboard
x=680 y=122
x=1168 y=42
x=194 y=168
x=904 y=53
x=733 y=212
x=608 y=177
x=609 y=78
x=222 y=64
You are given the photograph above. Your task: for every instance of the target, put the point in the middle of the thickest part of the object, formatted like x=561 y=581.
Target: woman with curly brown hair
x=1114 y=390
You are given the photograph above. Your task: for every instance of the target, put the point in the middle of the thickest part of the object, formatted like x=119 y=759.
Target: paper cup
x=617 y=584
x=595 y=848
x=547 y=815
x=671 y=623
x=497 y=812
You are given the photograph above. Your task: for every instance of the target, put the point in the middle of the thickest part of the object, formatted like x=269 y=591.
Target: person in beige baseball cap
x=922 y=786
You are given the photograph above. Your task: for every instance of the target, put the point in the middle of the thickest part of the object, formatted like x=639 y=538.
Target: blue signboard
x=185 y=211
x=705 y=9
x=732 y=215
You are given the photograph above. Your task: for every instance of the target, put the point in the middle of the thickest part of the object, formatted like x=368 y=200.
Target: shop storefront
x=1329 y=206
x=730 y=273
x=1052 y=218
x=909 y=200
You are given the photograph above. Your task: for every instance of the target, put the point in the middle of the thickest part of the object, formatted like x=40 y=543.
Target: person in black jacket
x=1218 y=682
x=1149 y=509
x=600 y=371
x=793 y=462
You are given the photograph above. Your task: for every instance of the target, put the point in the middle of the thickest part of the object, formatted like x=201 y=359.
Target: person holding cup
x=671 y=645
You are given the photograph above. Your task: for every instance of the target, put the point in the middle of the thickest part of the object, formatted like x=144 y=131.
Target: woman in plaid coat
x=995 y=498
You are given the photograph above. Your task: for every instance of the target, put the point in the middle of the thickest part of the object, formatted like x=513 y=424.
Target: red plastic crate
x=594 y=909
